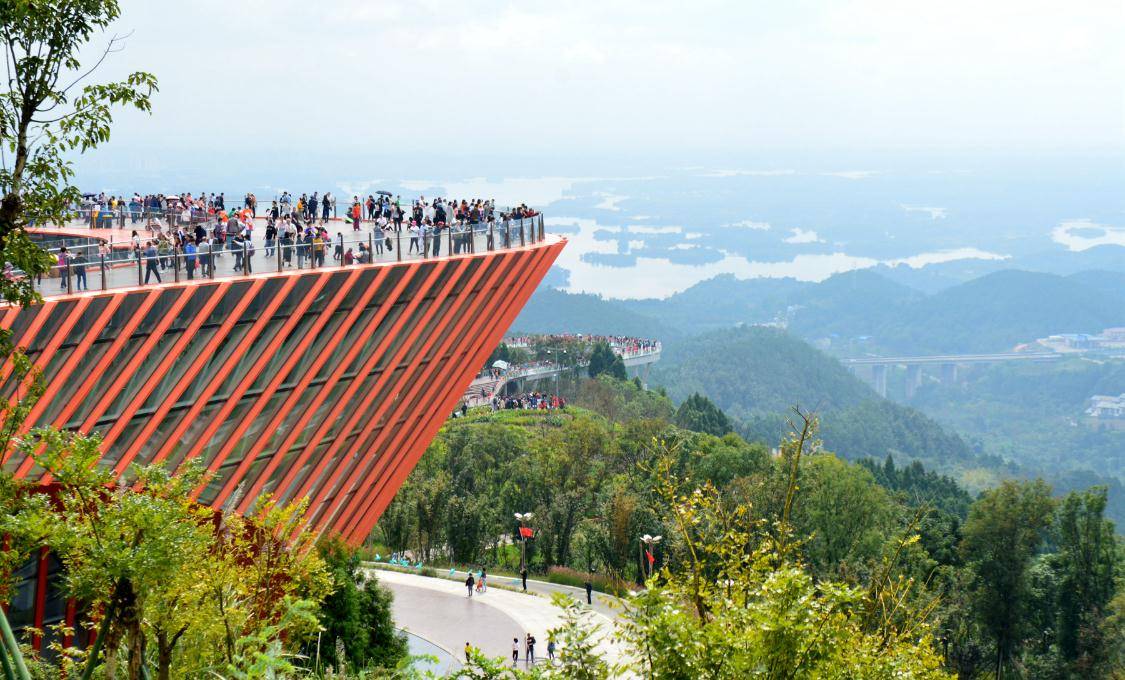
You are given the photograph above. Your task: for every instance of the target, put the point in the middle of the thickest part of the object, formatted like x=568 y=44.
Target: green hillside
x=554 y=311
x=989 y=314
x=753 y=371
x=998 y=311
x=758 y=374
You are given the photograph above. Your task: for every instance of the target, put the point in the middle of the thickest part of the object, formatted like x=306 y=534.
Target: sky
x=620 y=79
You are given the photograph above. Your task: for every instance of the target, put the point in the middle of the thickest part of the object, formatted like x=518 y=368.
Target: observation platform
x=113 y=263
x=298 y=378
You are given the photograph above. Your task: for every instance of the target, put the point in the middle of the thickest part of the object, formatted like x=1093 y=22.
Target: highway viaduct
x=946 y=363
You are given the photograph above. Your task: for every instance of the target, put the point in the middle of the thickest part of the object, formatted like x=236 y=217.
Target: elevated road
x=954 y=359
x=948 y=364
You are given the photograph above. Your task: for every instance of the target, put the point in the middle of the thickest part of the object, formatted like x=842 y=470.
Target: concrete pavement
x=439 y=610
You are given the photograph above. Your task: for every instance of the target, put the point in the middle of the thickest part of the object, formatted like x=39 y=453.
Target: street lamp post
x=523 y=518
x=557 y=354
x=648 y=542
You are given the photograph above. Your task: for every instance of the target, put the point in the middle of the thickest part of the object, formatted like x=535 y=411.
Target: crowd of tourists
x=531 y=401
x=624 y=344
x=192 y=232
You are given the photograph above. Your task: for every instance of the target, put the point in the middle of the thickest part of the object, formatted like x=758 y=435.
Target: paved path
x=439 y=610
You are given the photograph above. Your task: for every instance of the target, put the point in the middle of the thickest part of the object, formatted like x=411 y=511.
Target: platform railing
x=119 y=265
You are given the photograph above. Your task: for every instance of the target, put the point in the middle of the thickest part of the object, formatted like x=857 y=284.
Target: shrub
x=572 y=577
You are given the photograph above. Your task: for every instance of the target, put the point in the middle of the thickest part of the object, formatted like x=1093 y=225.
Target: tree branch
x=109 y=49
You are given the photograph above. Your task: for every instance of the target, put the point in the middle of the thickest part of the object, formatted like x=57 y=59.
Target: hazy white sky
x=583 y=75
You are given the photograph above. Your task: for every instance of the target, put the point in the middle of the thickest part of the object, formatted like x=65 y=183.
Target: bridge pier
x=949 y=374
x=879 y=378
x=913 y=379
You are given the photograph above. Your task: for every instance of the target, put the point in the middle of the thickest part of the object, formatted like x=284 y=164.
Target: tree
x=743 y=606
x=43 y=117
x=358 y=613
x=604 y=360
x=1005 y=528
x=844 y=513
x=700 y=414
x=1087 y=565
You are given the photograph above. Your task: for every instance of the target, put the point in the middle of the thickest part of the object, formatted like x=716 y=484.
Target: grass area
x=603 y=584
x=522 y=417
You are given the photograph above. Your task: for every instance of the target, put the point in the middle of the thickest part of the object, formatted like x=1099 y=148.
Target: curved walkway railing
x=486 y=387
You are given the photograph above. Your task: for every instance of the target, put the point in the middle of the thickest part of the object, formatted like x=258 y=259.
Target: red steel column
x=381 y=482
x=536 y=261
x=371 y=452
x=415 y=382
x=412 y=305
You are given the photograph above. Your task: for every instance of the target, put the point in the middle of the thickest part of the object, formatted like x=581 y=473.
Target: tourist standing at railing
x=314 y=204
x=415 y=236
x=288 y=238
x=271 y=236
x=377 y=235
x=78 y=268
x=189 y=258
x=304 y=248
x=151 y=264
x=233 y=228
x=319 y=248
x=326 y=206
x=61 y=259
x=237 y=246
x=164 y=249
x=435 y=236
x=205 y=250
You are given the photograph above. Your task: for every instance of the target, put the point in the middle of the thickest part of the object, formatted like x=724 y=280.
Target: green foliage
x=754 y=370
x=604 y=361
x=1087 y=566
x=700 y=414
x=742 y=605
x=173 y=589
x=43 y=118
x=1003 y=532
x=624 y=400
x=357 y=613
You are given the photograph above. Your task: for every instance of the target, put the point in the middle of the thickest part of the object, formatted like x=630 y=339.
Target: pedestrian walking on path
x=469 y=582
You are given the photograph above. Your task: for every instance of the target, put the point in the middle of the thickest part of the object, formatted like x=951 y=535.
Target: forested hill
x=997 y=311
x=754 y=371
x=859 y=311
x=758 y=374
x=554 y=311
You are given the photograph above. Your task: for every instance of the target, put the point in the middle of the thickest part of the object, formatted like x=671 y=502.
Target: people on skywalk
x=151 y=258
x=189 y=258
x=78 y=267
x=61 y=259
